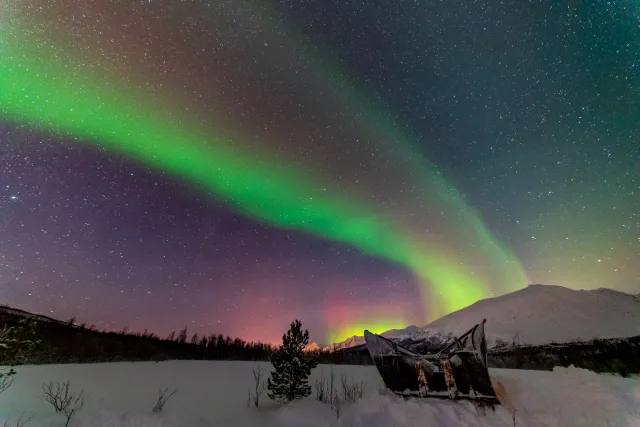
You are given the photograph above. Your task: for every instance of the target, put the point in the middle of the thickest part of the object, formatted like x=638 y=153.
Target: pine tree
x=195 y=339
x=182 y=336
x=292 y=366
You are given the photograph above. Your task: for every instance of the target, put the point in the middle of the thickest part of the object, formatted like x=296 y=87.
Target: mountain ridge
x=536 y=314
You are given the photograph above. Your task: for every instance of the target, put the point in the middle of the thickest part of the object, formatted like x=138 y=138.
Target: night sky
x=231 y=166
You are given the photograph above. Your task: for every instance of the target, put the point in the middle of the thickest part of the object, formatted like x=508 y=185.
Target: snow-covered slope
x=394 y=333
x=538 y=314
x=5 y=309
x=356 y=340
x=314 y=346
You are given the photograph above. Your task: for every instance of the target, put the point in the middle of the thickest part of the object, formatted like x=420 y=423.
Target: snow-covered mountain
x=354 y=341
x=348 y=343
x=357 y=340
x=314 y=346
x=537 y=314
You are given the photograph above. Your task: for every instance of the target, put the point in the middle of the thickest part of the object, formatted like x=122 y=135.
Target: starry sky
x=231 y=166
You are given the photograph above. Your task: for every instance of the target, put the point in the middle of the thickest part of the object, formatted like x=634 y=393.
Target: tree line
x=67 y=342
x=614 y=355
x=289 y=379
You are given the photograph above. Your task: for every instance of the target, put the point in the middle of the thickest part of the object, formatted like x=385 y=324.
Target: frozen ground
x=214 y=394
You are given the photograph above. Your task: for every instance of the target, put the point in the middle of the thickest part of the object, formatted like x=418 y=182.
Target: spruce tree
x=292 y=366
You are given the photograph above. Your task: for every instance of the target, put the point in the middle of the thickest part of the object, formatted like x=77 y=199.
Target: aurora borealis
x=247 y=166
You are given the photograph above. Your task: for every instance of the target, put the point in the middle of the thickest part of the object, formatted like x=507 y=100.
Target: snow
x=27 y=315
x=354 y=341
x=563 y=398
x=215 y=394
x=539 y=314
x=357 y=340
x=314 y=346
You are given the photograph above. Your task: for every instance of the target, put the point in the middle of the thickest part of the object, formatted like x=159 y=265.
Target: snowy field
x=215 y=394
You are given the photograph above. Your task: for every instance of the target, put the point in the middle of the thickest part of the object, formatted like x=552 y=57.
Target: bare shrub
x=163 y=396
x=6 y=379
x=352 y=391
x=325 y=390
x=336 y=405
x=76 y=404
x=6 y=375
x=259 y=387
x=320 y=388
x=329 y=392
x=61 y=397
x=20 y=422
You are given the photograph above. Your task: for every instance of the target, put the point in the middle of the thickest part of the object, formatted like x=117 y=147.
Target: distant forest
x=69 y=342
x=615 y=355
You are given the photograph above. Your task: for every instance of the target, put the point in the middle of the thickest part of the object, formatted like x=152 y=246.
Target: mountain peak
x=537 y=314
x=314 y=346
x=540 y=314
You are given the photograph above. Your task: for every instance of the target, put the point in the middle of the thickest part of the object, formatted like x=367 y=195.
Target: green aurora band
x=46 y=87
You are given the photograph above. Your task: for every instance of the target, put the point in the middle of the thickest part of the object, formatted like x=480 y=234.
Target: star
x=163 y=165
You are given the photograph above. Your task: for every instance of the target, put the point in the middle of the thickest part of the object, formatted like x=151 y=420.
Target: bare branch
x=352 y=391
x=320 y=388
x=163 y=396
x=57 y=394
x=76 y=403
x=260 y=385
x=327 y=391
x=63 y=399
x=20 y=422
x=6 y=379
